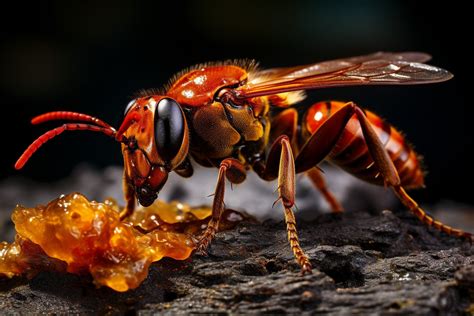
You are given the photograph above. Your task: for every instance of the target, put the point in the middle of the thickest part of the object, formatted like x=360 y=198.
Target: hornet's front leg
x=280 y=163
x=130 y=200
x=234 y=171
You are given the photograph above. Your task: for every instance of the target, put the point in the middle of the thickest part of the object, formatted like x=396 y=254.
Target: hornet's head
x=154 y=136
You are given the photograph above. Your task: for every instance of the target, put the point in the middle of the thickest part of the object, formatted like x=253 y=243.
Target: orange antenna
x=40 y=141
x=66 y=115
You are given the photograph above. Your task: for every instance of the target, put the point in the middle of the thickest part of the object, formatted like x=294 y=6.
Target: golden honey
x=80 y=236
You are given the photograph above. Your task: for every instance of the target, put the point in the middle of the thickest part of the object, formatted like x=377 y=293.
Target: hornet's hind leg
x=390 y=175
x=323 y=140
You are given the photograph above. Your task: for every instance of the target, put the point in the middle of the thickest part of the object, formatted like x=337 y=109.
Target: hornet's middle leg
x=286 y=123
x=280 y=163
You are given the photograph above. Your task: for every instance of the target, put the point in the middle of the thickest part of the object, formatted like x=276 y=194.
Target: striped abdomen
x=351 y=152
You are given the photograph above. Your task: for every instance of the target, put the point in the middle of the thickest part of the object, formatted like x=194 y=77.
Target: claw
x=277 y=200
x=202 y=251
x=203 y=244
x=306 y=268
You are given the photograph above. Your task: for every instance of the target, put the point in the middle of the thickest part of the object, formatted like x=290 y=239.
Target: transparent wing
x=375 y=69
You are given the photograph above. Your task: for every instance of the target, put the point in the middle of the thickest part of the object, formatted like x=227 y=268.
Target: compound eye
x=169 y=128
x=129 y=106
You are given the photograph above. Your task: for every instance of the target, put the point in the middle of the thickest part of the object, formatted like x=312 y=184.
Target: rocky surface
x=367 y=264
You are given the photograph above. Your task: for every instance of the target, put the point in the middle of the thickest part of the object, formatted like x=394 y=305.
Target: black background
x=91 y=57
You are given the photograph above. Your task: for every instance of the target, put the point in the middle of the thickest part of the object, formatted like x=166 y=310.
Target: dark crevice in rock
x=273 y=266
x=130 y=312
x=169 y=296
x=345 y=276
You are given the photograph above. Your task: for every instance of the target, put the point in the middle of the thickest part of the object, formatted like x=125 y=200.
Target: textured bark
x=367 y=264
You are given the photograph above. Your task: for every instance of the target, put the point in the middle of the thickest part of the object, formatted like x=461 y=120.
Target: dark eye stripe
x=169 y=128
